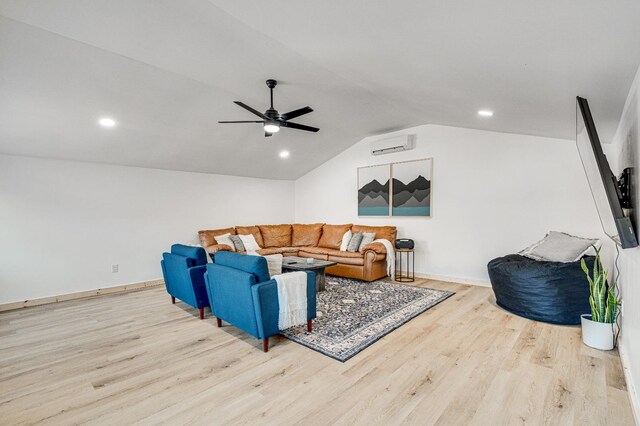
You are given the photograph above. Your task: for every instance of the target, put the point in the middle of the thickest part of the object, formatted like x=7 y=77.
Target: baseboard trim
x=456 y=280
x=124 y=288
x=633 y=394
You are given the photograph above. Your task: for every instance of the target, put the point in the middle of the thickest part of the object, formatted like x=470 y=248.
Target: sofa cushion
x=332 y=235
x=251 y=230
x=218 y=247
x=386 y=232
x=207 y=237
x=290 y=251
x=317 y=250
x=237 y=243
x=345 y=254
x=318 y=256
x=347 y=260
x=367 y=238
x=306 y=235
x=269 y=251
x=275 y=235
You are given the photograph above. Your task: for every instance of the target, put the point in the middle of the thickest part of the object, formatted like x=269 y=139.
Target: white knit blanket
x=391 y=256
x=292 y=298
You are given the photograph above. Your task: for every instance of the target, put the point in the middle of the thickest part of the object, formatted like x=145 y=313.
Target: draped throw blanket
x=292 y=299
x=391 y=256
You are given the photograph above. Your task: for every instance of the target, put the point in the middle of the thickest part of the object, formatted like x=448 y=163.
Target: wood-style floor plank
x=136 y=358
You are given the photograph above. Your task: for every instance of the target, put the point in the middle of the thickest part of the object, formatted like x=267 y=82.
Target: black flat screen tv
x=604 y=185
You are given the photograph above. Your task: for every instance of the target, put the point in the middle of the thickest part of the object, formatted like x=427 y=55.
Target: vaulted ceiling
x=167 y=71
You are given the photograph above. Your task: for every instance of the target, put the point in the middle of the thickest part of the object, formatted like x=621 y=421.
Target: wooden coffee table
x=295 y=263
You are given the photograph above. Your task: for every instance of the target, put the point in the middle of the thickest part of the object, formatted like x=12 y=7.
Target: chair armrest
x=267 y=308
x=196 y=273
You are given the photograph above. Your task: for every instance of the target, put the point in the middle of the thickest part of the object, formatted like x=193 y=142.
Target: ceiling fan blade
x=248 y=108
x=240 y=121
x=267 y=134
x=299 y=126
x=296 y=113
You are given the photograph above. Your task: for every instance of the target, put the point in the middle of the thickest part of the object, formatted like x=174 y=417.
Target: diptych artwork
x=373 y=190
x=411 y=188
x=397 y=189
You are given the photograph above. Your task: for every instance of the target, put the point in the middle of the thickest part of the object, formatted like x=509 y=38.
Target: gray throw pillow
x=237 y=242
x=354 y=244
x=367 y=238
x=559 y=247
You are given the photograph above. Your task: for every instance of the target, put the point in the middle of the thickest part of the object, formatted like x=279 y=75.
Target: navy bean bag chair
x=553 y=292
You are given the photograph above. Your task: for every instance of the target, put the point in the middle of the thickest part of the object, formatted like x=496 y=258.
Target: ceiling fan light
x=271 y=128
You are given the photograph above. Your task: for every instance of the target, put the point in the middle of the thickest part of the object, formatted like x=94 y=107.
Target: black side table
x=409 y=275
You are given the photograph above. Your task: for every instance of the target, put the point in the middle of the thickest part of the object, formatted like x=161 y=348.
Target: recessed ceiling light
x=107 y=122
x=284 y=154
x=485 y=113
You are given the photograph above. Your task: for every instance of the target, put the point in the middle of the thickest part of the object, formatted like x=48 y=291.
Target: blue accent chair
x=241 y=293
x=183 y=270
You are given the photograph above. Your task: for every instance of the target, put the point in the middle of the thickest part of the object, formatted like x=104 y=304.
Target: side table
x=409 y=274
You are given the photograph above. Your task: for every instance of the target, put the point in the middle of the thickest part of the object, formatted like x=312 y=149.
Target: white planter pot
x=598 y=335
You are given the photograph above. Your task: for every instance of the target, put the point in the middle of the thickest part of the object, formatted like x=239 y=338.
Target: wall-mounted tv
x=605 y=187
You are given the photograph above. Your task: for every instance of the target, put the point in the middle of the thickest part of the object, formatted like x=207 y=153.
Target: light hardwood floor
x=134 y=357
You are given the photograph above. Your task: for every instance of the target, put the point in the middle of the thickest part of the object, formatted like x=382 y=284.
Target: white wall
x=493 y=194
x=63 y=224
x=620 y=154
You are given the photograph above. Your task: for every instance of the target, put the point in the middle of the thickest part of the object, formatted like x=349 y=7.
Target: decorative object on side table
x=295 y=263
x=598 y=327
x=409 y=259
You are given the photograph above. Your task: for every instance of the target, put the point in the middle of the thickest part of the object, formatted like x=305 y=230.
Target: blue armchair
x=241 y=293
x=183 y=270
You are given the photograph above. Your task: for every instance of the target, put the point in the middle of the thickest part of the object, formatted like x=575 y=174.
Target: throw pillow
x=354 y=243
x=559 y=247
x=367 y=238
x=225 y=239
x=237 y=243
x=345 y=240
x=249 y=242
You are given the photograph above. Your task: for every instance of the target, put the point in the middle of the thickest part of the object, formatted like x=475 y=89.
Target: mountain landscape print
x=411 y=188
x=373 y=190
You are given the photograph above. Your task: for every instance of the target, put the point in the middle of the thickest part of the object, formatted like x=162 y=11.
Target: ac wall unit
x=394 y=144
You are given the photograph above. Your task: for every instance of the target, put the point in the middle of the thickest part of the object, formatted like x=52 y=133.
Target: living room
x=111 y=154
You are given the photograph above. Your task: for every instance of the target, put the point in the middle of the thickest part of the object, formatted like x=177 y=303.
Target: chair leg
x=201 y=313
x=219 y=322
x=173 y=300
x=265 y=345
x=309 y=325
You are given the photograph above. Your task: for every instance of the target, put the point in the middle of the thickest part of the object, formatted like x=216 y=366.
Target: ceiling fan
x=272 y=120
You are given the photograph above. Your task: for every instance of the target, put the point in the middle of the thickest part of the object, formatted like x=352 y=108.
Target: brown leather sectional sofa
x=317 y=240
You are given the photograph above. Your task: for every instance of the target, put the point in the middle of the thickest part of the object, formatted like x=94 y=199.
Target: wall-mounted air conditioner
x=394 y=144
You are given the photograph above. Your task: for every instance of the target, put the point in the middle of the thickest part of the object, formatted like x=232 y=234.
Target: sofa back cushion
x=207 y=237
x=386 y=232
x=253 y=230
x=332 y=235
x=306 y=235
x=276 y=235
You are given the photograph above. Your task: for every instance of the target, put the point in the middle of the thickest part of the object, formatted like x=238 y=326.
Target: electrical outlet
x=114 y=268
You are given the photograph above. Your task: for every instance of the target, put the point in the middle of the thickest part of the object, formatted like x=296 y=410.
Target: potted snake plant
x=598 y=327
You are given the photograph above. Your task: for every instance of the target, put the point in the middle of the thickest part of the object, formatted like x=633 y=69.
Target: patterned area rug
x=353 y=314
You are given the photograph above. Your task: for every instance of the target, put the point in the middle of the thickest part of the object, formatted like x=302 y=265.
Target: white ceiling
x=169 y=70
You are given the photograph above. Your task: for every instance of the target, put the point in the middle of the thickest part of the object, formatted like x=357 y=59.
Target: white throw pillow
x=345 y=240
x=225 y=239
x=367 y=238
x=559 y=247
x=249 y=242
